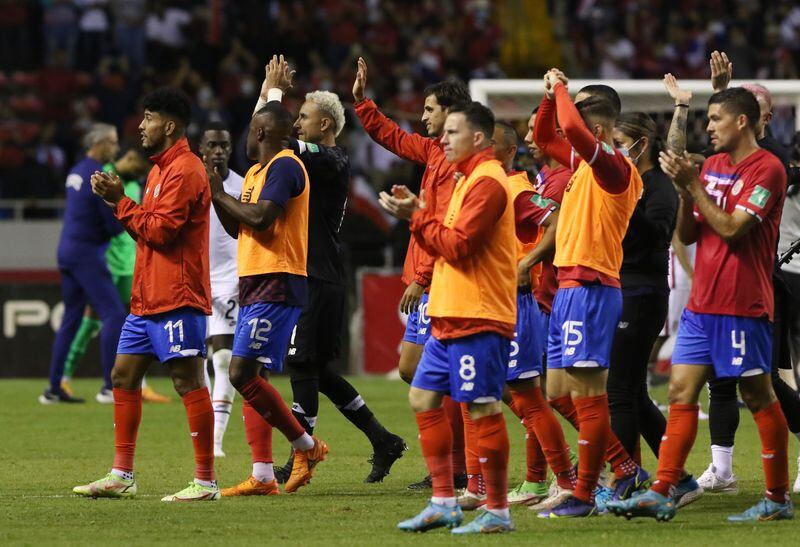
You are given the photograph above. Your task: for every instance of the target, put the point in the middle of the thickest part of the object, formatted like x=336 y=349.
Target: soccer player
x=170 y=298
x=536 y=218
x=317 y=338
x=598 y=203
x=215 y=149
x=732 y=210
x=89 y=225
x=473 y=312
x=437 y=183
x=120 y=258
x=271 y=224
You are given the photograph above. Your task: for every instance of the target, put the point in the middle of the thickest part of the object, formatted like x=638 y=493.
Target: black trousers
x=633 y=413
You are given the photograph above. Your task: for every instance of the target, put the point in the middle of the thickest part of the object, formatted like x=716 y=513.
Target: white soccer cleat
x=557 y=497
x=218 y=453
x=105 y=397
x=710 y=482
x=470 y=501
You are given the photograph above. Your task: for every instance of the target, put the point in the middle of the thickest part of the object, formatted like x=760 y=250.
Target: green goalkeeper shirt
x=121 y=253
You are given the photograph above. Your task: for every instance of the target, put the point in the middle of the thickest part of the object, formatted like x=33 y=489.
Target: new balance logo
x=467 y=386
x=194 y=433
x=767 y=456
x=255 y=345
x=175 y=349
x=292 y=351
x=569 y=351
x=736 y=361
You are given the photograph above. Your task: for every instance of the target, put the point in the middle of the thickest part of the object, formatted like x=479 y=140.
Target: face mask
x=626 y=151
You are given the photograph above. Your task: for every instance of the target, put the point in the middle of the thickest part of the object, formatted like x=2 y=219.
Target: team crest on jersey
x=760 y=196
x=737 y=187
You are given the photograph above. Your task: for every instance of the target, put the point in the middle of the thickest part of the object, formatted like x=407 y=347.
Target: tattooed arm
x=676 y=138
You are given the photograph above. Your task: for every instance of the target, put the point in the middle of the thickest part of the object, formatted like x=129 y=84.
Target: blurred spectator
x=93 y=32
x=129 y=30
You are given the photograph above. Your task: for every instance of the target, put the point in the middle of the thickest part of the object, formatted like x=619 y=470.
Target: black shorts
x=318 y=335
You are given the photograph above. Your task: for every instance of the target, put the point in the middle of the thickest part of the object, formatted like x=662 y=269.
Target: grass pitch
x=45 y=450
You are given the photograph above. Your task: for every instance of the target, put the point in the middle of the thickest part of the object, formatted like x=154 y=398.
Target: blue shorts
x=469 y=369
x=525 y=359
x=168 y=335
x=734 y=346
x=582 y=326
x=263 y=331
x=418 y=325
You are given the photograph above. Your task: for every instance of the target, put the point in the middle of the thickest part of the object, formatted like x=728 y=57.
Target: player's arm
x=676 y=137
x=545 y=135
x=610 y=168
x=384 y=131
x=481 y=209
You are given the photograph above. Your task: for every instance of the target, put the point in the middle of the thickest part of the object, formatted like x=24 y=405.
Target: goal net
x=513 y=100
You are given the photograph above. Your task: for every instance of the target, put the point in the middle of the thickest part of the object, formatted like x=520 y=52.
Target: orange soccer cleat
x=150 y=395
x=305 y=461
x=252 y=487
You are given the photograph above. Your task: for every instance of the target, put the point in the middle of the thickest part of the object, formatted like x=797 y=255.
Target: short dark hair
x=596 y=106
x=171 y=102
x=738 y=101
x=216 y=126
x=478 y=116
x=281 y=114
x=605 y=91
x=509 y=131
x=449 y=93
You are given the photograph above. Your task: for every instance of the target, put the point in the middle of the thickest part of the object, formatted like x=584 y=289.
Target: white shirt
x=790 y=231
x=222 y=247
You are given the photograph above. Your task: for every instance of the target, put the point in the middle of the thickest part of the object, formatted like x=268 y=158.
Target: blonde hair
x=330 y=104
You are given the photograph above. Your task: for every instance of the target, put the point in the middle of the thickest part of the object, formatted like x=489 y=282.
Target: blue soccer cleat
x=571 y=507
x=766 y=509
x=687 y=491
x=648 y=504
x=624 y=488
x=433 y=516
x=602 y=495
x=486 y=523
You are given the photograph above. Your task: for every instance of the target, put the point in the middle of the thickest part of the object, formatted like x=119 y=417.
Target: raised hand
x=680 y=96
x=721 y=70
x=277 y=75
x=361 y=80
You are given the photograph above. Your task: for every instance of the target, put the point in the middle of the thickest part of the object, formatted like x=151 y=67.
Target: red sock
x=436 y=440
x=566 y=408
x=774 y=433
x=515 y=409
x=201 y=425
x=493 y=448
x=266 y=400
x=453 y=410
x=127 y=416
x=675 y=446
x=472 y=463
x=534 y=458
x=621 y=462
x=547 y=429
x=592 y=443
x=259 y=434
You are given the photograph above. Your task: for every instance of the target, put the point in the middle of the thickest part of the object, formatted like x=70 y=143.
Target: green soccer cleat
x=110 y=486
x=195 y=492
x=766 y=509
x=528 y=493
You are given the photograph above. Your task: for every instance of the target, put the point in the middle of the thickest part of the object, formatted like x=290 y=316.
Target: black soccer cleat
x=388 y=452
x=282 y=474
x=55 y=396
x=459 y=482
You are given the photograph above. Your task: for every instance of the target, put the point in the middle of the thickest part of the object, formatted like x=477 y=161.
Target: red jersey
x=736 y=278
x=551 y=183
x=171 y=232
x=437 y=182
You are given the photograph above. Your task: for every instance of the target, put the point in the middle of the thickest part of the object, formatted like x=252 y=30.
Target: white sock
x=263 y=472
x=223 y=393
x=127 y=475
x=722 y=459
x=207 y=484
x=304 y=442
x=207 y=377
x=144 y=382
x=447 y=502
x=502 y=513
